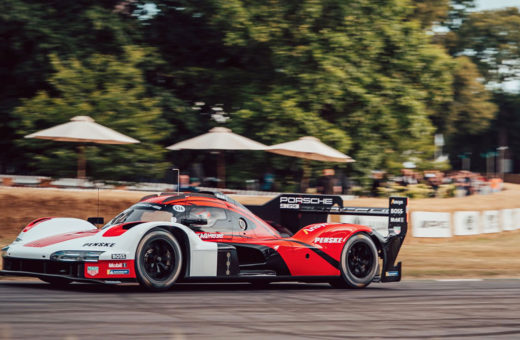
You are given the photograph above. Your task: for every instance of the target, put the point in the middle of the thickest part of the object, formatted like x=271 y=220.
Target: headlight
x=4 y=251
x=76 y=256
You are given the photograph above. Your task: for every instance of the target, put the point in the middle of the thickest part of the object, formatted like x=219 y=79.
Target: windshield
x=149 y=212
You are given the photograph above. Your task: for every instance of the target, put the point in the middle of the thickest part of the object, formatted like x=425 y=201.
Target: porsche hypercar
x=209 y=237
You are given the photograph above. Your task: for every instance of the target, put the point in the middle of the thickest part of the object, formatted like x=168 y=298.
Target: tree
x=360 y=75
x=430 y=12
x=471 y=110
x=492 y=40
x=33 y=30
x=112 y=91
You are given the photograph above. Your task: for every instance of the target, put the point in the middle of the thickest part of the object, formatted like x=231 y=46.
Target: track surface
x=410 y=309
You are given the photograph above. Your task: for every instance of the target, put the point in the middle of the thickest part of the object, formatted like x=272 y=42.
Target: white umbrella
x=312 y=148
x=218 y=139
x=83 y=129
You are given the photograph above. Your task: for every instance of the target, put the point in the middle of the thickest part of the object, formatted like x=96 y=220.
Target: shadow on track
x=182 y=287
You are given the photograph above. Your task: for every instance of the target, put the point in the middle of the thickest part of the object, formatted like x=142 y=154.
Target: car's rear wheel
x=56 y=281
x=158 y=260
x=359 y=262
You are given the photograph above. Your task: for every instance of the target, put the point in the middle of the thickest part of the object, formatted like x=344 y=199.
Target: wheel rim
x=360 y=259
x=159 y=260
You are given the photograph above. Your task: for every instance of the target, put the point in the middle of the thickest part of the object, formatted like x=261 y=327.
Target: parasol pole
x=221 y=170
x=305 y=175
x=81 y=162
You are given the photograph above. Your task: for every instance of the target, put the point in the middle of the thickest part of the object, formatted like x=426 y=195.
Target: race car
x=170 y=238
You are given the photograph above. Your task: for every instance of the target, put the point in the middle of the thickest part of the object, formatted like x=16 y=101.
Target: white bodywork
x=202 y=254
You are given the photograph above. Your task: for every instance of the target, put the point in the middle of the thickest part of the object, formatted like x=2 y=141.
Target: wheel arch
x=181 y=236
x=379 y=253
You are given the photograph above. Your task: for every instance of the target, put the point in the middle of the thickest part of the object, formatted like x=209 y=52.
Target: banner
x=490 y=221
x=466 y=222
x=508 y=221
x=516 y=218
x=378 y=223
x=431 y=224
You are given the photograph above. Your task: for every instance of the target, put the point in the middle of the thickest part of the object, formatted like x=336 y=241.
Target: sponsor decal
x=306 y=200
x=490 y=223
x=328 y=240
x=392 y=273
x=431 y=224
x=211 y=235
x=312 y=228
x=397 y=202
x=397 y=211
x=220 y=196
x=466 y=222
x=118 y=272
x=179 y=208
x=435 y=224
x=99 y=244
x=397 y=220
x=118 y=256
x=469 y=223
x=92 y=270
x=289 y=206
x=117 y=265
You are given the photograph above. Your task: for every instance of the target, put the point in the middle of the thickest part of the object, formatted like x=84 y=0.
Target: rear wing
x=297 y=211
x=294 y=211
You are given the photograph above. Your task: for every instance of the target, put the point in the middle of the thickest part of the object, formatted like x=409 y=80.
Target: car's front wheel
x=158 y=260
x=359 y=262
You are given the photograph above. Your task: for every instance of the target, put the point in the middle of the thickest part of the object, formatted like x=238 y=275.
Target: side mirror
x=96 y=220
x=194 y=221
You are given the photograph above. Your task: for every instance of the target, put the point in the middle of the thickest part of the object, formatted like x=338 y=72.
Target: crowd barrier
x=448 y=224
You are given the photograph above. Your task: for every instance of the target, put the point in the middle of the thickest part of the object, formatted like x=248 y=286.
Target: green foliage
x=363 y=76
x=493 y=40
x=31 y=31
x=112 y=91
x=471 y=110
x=481 y=118
x=358 y=74
x=416 y=191
x=429 y=12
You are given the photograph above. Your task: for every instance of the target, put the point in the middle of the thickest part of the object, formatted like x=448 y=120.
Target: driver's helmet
x=202 y=213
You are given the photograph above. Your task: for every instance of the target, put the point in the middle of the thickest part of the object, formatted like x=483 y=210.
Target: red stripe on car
x=47 y=241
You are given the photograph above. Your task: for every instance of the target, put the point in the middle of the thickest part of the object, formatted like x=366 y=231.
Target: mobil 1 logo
x=397 y=212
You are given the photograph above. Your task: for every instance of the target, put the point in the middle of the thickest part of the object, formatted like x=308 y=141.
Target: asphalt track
x=410 y=309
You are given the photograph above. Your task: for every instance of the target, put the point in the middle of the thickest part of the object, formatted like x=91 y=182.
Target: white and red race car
x=209 y=237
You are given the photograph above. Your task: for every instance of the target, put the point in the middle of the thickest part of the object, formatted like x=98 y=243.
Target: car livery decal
x=332 y=261
x=47 y=241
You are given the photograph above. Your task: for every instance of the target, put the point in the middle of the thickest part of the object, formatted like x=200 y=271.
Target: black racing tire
x=359 y=262
x=158 y=260
x=56 y=281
